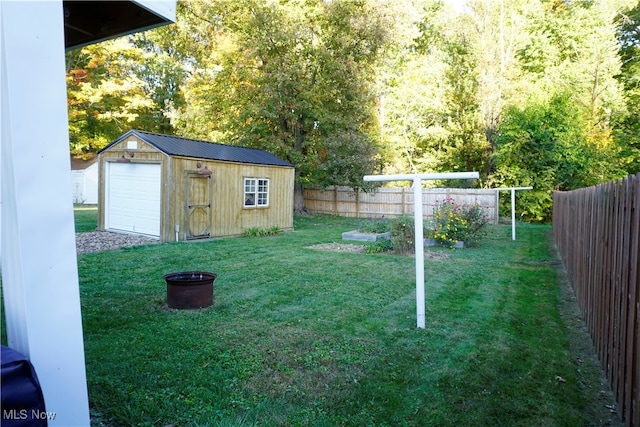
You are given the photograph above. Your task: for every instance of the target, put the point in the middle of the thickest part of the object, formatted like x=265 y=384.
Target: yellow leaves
x=95 y=62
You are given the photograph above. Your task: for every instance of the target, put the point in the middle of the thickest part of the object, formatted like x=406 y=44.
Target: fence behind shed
x=393 y=202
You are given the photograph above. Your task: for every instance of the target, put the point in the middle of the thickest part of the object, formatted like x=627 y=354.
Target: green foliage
x=467 y=145
x=402 y=234
x=346 y=156
x=627 y=128
x=434 y=114
x=453 y=223
x=374 y=225
x=379 y=246
x=546 y=145
x=164 y=74
x=261 y=232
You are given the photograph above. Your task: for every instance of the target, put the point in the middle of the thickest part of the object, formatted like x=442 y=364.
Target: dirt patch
x=360 y=249
x=436 y=255
x=339 y=247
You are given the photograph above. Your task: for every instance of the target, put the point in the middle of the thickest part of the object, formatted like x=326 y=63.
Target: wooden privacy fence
x=393 y=202
x=597 y=231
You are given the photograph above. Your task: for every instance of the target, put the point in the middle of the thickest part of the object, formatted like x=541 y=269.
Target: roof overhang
x=87 y=22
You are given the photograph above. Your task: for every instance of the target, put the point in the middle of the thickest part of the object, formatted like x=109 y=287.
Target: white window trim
x=255 y=194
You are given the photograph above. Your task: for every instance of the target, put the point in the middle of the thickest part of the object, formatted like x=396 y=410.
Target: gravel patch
x=98 y=241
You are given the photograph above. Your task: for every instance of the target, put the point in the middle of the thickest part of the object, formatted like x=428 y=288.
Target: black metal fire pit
x=189 y=289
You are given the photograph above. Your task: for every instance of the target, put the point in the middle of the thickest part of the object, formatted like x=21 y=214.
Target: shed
x=183 y=189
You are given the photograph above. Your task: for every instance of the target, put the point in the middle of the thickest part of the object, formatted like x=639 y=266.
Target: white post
x=513 y=214
x=513 y=206
x=39 y=266
x=419 y=245
x=418 y=224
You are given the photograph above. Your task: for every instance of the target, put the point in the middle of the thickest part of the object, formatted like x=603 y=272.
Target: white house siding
x=84 y=185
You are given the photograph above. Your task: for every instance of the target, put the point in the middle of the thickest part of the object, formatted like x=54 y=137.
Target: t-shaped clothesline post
x=418 y=221
x=513 y=206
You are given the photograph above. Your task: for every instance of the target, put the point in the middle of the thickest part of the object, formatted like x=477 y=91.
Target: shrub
x=371 y=225
x=261 y=232
x=380 y=245
x=452 y=223
x=402 y=234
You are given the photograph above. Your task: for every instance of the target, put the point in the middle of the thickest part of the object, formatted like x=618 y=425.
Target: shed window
x=256 y=192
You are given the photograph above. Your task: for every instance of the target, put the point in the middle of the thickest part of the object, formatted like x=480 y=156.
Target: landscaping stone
x=364 y=237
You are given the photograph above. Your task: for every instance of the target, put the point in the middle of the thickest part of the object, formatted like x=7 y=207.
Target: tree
x=627 y=131
x=162 y=70
x=494 y=30
x=573 y=50
x=295 y=78
x=467 y=146
x=560 y=135
x=114 y=86
x=437 y=116
x=105 y=97
x=347 y=155
x=545 y=146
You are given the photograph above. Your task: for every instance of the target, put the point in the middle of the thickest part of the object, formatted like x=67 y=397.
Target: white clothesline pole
x=418 y=224
x=513 y=206
x=419 y=248
x=513 y=214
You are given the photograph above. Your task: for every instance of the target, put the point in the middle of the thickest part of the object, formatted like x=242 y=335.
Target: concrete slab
x=364 y=237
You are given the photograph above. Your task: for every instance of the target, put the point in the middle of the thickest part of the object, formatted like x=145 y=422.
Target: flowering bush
x=452 y=223
x=379 y=246
x=402 y=233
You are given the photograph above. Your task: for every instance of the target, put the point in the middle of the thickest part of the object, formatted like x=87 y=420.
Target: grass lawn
x=86 y=218
x=302 y=337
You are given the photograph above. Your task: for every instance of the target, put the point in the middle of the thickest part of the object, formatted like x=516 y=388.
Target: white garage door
x=133 y=198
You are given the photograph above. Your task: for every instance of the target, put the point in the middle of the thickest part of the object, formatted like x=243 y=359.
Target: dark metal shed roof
x=176 y=146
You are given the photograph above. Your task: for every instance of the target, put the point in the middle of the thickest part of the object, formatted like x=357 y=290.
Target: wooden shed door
x=198 y=206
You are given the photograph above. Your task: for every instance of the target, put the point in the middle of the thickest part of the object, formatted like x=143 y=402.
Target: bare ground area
x=353 y=248
x=339 y=247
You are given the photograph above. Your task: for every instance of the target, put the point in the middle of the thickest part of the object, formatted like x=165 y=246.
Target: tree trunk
x=298 y=199
x=298 y=188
